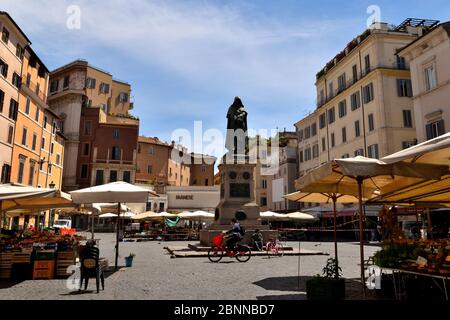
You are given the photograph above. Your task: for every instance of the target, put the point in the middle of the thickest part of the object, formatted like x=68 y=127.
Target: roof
x=445 y=26
x=33 y=54
x=152 y=140
x=16 y=25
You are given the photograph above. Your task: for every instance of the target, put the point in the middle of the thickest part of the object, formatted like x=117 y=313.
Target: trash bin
x=129 y=261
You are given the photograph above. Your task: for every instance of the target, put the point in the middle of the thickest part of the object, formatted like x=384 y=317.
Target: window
x=5 y=35
x=359 y=152
x=98 y=177
x=84 y=171
x=2 y=100
x=401 y=63
x=408 y=144
x=300 y=134
x=127 y=176
x=372 y=151
x=116 y=134
x=19 y=51
x=16 y=80
x=6 y=173
x=87 y=128
x=203 y=168
x=13 y=109
x=330 y=91
x=313 y=129
x=307 y=132
x=263 y=201
x=3 y=68
x=31 y=174
x=344 y=135
x=36 y=115
x=404 y=88
x=435 y=129
x=22 y=160
x=368 y=93
x=54 y=86
x=322 y=120
x=58 y=159
x=10 y=134
x=342 y=108
x=355 y=101
x=66 y=82
x=151 y=151
x=139 y=148
x=331 y=115
x=264 y=184
x=33 y=144
x=324 y=145
x=430 y=78
x=308 y=154
x=43 y=143
x=333 y=142
x=149 y=169
x=355 y=73
x=28 y=83
x=344 y=156
x=115 y=153
x=112 y=176
x=407 y=118
x=371 y=122
x=342 y=82
x=86 y=149
x=123 y=97
x=206 y=182
x=27 y=105
x=24 y=136
x=45 y=122
x=322 y=97
x=90 y=83
x=367 y=63
x=104 y=87
x=54 y=127
x=357 y=129
x=300 y=156
x=315 y=151
x=52 y=147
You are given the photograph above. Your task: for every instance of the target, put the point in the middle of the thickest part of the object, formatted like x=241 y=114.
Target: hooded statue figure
x=237 y=140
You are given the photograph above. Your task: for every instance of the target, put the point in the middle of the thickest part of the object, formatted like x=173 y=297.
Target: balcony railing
x=362 y=74
x=35 y=88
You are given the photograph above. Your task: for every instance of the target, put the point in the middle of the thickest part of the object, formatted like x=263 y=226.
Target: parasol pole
x=117 y=234
x=334 y=198
x=359 y=179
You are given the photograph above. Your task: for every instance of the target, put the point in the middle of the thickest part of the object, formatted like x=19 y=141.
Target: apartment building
x=364 y=100
x=162 y=164
x=75 y=88
x=12 y=50
x=429 y=62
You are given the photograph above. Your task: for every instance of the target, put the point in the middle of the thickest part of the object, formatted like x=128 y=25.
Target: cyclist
x=234 y=235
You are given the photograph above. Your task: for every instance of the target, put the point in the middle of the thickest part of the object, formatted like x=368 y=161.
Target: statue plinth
x=237 y=200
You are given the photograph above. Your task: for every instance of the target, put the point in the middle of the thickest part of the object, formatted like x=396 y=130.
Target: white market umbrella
x=300 y=216
x=115 y=192
x=196 y=215
x=269 y=215
x=107 y=215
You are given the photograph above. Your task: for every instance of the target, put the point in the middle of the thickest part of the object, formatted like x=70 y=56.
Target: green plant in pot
x=129 y=260
x=329 y=286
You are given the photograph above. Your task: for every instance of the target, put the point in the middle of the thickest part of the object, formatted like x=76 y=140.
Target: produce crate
x=5 y=264
x=22 y=256
x=43 y=269
x=63 y=261
x=44 y=255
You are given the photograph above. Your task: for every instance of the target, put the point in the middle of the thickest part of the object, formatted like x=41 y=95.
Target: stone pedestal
x=237 y=200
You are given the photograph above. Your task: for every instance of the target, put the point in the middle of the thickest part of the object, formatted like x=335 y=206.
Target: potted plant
x=129 y=260
x=329 y=286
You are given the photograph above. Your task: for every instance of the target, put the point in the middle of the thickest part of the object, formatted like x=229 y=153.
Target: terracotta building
x=162 y=164
x=12 y=49
x=430 y=73
x=75 y=89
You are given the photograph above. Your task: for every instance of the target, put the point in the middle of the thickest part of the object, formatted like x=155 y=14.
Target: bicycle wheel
x=244 y=253
x=215 y=254
x=279 y=249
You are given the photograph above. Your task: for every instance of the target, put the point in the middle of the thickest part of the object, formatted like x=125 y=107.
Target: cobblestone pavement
x=155 y=275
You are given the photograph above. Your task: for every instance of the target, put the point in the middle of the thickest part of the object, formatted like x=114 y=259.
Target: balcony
x=362 y=74
x=34 y=91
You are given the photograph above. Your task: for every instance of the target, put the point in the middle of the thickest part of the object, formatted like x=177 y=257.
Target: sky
x=186 y=60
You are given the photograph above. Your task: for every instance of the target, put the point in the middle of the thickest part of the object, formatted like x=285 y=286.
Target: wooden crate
x=23 y=256
x=6 y=259
x=43 y=269
x=63 y=261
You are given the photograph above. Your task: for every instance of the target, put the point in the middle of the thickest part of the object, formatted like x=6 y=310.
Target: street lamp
x=49 y=164
x=52 y=185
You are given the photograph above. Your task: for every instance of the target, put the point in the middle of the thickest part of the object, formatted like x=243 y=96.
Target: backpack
x=242 y=230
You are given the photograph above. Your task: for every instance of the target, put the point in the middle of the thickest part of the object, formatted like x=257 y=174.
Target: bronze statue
x=237 y=140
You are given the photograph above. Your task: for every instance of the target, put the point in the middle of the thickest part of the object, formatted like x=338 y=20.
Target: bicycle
x=241 y=252
x=274 y=248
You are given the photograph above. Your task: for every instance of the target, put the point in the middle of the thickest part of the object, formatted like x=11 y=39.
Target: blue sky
x=186 y=60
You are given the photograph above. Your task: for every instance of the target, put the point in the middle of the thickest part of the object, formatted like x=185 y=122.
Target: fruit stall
x=37 y=255
x=416 y=267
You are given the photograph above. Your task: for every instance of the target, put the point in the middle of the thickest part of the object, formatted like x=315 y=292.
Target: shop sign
x=184 y=197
